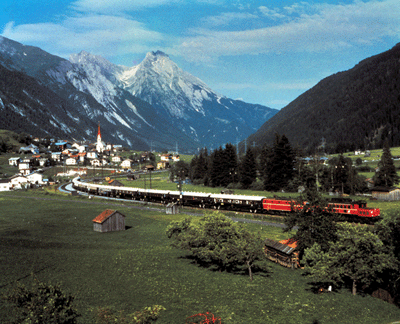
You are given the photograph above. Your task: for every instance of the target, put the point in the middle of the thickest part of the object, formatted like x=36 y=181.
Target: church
x=100 y=145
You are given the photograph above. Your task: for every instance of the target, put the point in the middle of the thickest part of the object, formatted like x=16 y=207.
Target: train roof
x=237 y=197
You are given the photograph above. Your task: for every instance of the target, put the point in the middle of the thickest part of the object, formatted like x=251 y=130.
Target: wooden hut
x=109 y=221
x=282 y=252
x=385 y=193
x=172 y=209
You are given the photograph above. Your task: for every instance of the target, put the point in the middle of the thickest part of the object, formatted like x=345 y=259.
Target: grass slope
x=129 y=270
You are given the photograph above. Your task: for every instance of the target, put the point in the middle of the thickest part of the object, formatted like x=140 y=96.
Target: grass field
x=51 y=236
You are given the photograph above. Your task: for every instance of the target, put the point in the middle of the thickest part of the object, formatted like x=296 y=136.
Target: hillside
x=358 y=108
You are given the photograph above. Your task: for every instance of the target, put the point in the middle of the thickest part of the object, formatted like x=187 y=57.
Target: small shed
x=385 y=193
x=172 y=209
x=109 y=221
x=283 y=252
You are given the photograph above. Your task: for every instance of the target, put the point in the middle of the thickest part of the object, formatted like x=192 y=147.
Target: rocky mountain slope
x=153 y=104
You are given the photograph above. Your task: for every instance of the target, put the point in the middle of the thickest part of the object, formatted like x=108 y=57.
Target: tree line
x=281 y=167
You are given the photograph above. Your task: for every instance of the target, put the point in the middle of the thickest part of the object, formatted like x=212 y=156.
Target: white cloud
x=329 y=27
x=113 y=6
x=100 y=34
x=271 y=13
x=227 y=17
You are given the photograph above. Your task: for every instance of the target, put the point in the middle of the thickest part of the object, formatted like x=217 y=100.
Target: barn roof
x=104 y=215
x=279 y=246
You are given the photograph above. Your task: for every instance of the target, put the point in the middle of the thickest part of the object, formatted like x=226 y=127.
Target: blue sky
x=266 y=52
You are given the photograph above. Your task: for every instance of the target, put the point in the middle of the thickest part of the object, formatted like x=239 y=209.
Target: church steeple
x=100 y=146
x=99 y=134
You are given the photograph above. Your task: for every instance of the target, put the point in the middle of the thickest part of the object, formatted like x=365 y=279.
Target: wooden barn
x=282 y=252
x=385 y=193
x=109 y=221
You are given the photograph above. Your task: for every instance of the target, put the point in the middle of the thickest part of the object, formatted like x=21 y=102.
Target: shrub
x=42 y=304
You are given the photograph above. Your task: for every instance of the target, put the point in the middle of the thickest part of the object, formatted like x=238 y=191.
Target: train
x=356 y=211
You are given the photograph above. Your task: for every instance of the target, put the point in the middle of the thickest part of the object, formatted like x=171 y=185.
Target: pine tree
x=216 y=167
x=341 y=174
x=386 y=175
x=279 y=169
x=248 y=171
x=230 y=158
x=199 y=166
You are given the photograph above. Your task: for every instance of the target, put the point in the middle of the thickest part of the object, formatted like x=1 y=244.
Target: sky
x=262 y=52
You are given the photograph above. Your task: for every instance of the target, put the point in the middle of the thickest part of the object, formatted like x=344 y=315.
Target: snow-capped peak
x=158 y=80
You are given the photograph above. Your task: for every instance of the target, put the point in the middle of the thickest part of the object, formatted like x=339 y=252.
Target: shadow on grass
x=257 y=269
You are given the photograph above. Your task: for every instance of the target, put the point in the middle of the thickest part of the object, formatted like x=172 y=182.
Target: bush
x=234 y=185
x=257 y=186
x=42 y=304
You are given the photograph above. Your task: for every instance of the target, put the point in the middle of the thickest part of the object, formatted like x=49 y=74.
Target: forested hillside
x=358 y=108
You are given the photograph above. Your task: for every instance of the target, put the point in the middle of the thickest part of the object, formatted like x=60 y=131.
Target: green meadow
x=50 y=236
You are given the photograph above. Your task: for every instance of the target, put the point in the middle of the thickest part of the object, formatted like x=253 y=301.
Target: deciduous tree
x=357 y=254
x=313 y=221
x=218 y=240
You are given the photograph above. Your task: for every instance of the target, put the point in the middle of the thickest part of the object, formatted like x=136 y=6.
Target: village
x=75 y=159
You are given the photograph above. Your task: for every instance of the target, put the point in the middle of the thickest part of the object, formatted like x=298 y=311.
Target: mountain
x=358 y=108
x=88 y=98
x=185 y=101
x=153 y=104
x=26 y=105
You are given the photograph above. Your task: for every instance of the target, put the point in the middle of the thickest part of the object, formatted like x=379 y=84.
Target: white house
x=19 y=182
x=92 y=155
x=95 y=162
x=5 y=185
x=13 y=161
x=71 y=161
x=166 y=157
x=36 y=178
x=56 y=156
x=80 y=148
x=126 y=164
x=116 y=159
x=25 y=166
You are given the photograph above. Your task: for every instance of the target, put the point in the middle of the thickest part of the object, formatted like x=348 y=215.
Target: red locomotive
x=352 y=210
